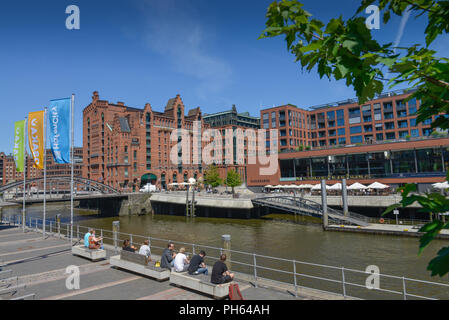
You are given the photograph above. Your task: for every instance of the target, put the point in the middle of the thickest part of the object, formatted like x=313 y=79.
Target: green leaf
x=440 y=264
x=391 y=208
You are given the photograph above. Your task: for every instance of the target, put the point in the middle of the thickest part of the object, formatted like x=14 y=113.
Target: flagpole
x=72 y=161
x=24 y=172
x=45 y=170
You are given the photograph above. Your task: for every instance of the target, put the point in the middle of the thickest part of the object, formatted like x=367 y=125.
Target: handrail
x=283 y=271
x=314 y=206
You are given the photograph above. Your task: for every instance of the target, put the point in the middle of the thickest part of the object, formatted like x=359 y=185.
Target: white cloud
x=174 y=31
x=400 y=33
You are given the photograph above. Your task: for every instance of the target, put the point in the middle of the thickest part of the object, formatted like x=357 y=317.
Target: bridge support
x=324 y=204
x=344 y=194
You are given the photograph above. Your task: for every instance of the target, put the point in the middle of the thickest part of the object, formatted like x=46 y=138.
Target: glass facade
x=404 y=163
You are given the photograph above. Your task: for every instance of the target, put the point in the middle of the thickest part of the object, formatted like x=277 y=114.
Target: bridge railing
x=315 y=207
x=287 y=274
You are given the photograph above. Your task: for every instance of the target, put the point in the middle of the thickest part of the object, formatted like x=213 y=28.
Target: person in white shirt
x=181 y=262
x=145 y=250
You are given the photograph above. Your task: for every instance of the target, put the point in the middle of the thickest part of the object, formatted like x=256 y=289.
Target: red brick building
x=126 y=147
x=230 y=121
x=8 y=172
x=375 y=141
x=387 y=118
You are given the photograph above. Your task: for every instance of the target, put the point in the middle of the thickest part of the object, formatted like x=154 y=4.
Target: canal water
x=284 y=236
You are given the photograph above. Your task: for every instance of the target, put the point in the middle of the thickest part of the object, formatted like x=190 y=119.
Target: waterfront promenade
x=38 y=271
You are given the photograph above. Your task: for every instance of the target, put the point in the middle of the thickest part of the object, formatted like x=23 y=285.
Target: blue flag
x=59 y=129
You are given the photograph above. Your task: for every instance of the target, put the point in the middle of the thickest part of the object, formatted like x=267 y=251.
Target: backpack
x=234 y=292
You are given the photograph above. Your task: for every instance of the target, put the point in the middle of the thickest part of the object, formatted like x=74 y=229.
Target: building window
x=266 y=123
x=390 y=135
x=354 y=115
x=356 y=139
x=357 y=129
x=341 y=131
x=402 y=124
x=273 y=120
x=340 y=117
x=403 y=134
x=379 y=136
x=389 y=125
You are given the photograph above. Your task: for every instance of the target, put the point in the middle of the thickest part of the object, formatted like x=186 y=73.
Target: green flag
x=19 y=144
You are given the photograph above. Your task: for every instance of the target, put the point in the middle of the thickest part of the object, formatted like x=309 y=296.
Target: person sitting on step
x=220 y=272
x=94 y=243
x=145 y=250
x=128 y=247
x=197 y=264
x=181 y=263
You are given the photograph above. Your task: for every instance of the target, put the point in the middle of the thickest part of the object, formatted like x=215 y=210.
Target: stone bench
x=139 y=264
x=200 y=283
x=92 y=254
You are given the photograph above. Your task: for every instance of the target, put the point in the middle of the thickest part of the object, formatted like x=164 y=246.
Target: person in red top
x=94 y=243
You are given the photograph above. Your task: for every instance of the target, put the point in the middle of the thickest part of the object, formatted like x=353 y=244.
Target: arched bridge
x=95 y=185
x=298 y=205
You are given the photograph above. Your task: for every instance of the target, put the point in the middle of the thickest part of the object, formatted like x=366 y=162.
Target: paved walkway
x=38 y=267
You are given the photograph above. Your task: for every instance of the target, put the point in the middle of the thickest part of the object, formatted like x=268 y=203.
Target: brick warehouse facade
x=8 y=172
x=232 y=120
x=126 y=147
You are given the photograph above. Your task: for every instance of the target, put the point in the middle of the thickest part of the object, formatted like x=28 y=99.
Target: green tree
x=212 y=177
x=345 y=50
x=233 y=180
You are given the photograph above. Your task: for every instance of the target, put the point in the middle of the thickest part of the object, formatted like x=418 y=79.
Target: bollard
x=77 y=231
x=130 y=239
x=101 y=236
x=324 y=204
x=227 y=249
x=58 y=224
x=115 y=231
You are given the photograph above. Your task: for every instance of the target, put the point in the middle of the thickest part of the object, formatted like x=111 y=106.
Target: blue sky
x=140 y=51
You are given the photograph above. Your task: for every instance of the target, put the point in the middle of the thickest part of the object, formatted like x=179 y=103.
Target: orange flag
x=36 y=137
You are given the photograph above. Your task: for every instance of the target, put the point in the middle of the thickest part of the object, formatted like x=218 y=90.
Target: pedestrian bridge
x=87 y=183
x=301 y=206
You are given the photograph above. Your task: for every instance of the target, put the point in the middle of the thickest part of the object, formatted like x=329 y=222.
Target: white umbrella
x=357 y=186
x=279 y=186
x=173 y=184
x=336 y=186
x=305 y=186
x=269 y=186
x=318 y=187
x=184 y=183
x=377 y=185
x=441 y=185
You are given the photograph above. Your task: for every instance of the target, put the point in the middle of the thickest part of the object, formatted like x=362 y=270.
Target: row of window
x=376 y=164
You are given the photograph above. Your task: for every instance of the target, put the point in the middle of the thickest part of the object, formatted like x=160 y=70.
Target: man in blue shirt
x=86 y=238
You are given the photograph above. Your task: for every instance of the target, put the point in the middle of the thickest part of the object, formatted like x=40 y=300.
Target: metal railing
x=260 y=269
x=309 y=207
